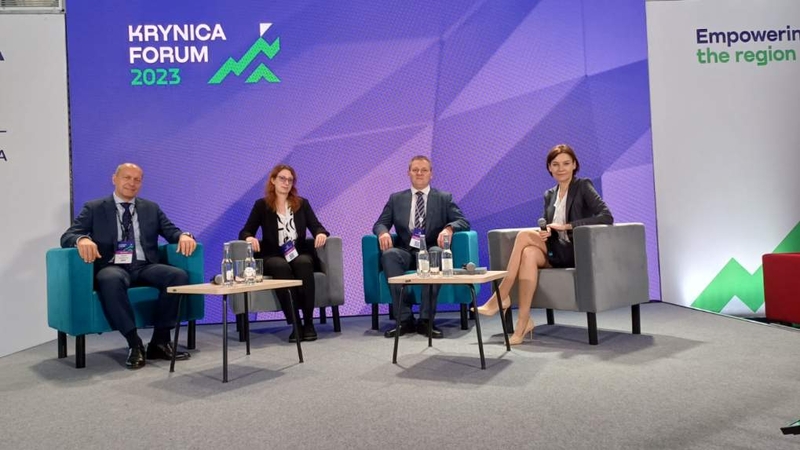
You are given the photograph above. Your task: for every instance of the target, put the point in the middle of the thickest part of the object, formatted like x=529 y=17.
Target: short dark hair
x=420 y=158
x=559 y=149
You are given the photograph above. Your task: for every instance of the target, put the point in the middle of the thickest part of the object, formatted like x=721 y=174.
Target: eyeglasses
x=422 y=171
x=283 y=179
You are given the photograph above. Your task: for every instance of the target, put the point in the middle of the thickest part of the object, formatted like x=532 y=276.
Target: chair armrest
x=193 y=264
x=501 y=242
x=70 y=282
x=610 y=266
x=465 y=248
x=370 y=268
x=331 y=261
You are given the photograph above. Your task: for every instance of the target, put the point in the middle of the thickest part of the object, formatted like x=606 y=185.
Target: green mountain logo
x=735 y=280
x=237 y=67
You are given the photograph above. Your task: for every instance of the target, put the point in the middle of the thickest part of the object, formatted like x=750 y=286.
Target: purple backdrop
x=483 y=87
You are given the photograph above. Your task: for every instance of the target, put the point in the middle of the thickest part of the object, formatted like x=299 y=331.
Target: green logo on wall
x=261 y=72
x=735 y=280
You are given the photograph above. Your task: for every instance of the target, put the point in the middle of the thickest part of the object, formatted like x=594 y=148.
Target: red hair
x=293 y=200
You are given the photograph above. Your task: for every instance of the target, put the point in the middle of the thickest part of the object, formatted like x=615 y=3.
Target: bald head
x=127 y=180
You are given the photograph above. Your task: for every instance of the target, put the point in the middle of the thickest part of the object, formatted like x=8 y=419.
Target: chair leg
x=509 y=321
x=62 y=344
x=374 y=316
x=80 y=351
x=592 y=319
x=240 y=325
x=191 y=335
x=337 y=323
x=322 y=318
x=551 y=320
x=637 y=324
x=464 y=320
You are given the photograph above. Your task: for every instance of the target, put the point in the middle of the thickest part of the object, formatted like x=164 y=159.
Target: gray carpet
x=692 y=380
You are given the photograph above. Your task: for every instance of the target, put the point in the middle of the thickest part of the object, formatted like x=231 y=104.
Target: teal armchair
x=73 y=307
x=376 y=288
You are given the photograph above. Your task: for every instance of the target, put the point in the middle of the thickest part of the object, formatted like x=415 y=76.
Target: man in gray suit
x=415 y=211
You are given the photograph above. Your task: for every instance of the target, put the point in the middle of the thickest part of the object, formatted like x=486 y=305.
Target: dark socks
x=160 y=336
x=133 y=339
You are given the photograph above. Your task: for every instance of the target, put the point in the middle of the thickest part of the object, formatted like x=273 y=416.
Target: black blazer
x=584 y=207
x=98 y=220
x=263 y=216
x=440 y=211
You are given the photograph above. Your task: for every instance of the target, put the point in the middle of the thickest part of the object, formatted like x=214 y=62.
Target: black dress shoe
x=135 y=357
x=309 y=333
x=164 y=351
x=292 y=338
x=407 y=326
x=422 y=328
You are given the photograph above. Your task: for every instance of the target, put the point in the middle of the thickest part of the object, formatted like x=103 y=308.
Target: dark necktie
x=127 y=222
x=419 y=211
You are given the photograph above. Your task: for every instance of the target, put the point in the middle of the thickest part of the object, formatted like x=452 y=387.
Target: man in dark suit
x=425 y=209
x=119 y=233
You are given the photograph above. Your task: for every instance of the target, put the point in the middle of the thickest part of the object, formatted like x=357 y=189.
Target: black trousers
x=112 y=283
x=300 y=268
x=395 y=261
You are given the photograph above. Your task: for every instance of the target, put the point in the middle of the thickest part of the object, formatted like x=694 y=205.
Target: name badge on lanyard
x=416 y=237
x=124 y=252
x=289 y=252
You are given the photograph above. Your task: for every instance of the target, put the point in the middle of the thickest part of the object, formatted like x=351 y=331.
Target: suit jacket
x=440 y=211
x=263 y=216
x=98 y=220
x=584 y=207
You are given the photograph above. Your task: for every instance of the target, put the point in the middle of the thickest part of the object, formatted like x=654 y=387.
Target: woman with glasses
x=284 y=218
x=572 y=202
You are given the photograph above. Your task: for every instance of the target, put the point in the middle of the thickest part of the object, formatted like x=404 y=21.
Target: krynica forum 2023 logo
x=162 y=54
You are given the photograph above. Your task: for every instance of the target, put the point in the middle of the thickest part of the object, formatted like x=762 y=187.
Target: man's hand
x=319 y=241
x=385 y=241
x=88 y=250
x=254 y=243
x=186 y=245
x=448 y=231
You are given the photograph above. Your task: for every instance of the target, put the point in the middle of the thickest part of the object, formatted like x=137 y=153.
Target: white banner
x=34 y=170
x=725 y=101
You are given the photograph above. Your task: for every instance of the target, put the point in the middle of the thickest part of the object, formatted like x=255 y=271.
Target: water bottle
x=249 y=266
x=227 y=266
x=447 y=259
x=423 y=260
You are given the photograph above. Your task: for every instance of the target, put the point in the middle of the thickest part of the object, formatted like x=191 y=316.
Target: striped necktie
x=419 y=211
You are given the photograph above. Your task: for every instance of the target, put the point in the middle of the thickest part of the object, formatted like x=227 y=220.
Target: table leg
x=296 y=327
x=496 y=287
x=246 y=321
x=432 y=314
x=225 y=338
x=177 y=331
x=396 y=302
x=478 y=326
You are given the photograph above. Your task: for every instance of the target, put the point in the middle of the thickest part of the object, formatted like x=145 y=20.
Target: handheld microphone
x=543 y=224
x=217 y=279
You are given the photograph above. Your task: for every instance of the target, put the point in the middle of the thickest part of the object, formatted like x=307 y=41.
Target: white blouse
x=286 y=228
x=560 y=216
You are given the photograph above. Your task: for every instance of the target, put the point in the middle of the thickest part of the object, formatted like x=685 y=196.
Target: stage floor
x=691 y=380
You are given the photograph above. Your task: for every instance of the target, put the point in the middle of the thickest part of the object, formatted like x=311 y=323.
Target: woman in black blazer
x=284 y=218
x=572 y=202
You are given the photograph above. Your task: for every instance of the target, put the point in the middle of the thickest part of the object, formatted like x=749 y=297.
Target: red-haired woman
x=284 y=218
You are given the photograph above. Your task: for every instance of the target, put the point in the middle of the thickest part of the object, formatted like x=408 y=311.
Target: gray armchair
x=329 y=283
x=610 y=272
